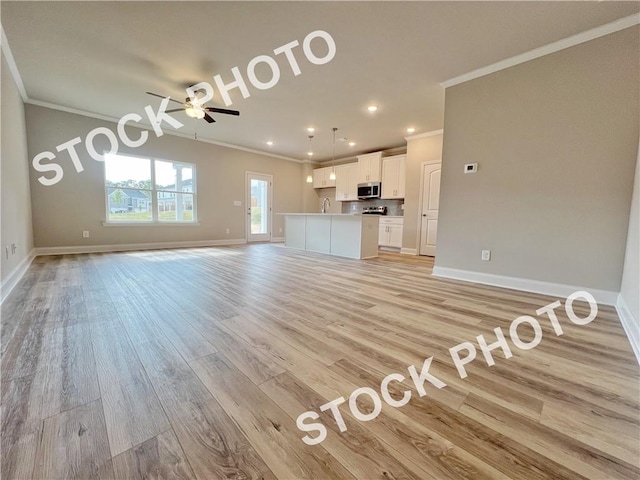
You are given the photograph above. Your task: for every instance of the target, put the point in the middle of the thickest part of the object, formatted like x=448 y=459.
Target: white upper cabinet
x=347 y=182
x=369 y=167
x=321 y=178
x=393 y=176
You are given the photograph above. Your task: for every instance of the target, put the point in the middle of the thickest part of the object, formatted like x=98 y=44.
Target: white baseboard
x=409 y=251
x=277 y=239
x=604 y=297
x=136 y=246
x=630 y=324
x=10 y=282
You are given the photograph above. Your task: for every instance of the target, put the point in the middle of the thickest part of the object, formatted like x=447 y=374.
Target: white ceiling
x=101 y=57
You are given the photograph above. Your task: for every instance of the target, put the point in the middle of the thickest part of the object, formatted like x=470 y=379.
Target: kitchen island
x=340 y=234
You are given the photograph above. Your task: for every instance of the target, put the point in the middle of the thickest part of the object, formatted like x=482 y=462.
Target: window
x=146 y=190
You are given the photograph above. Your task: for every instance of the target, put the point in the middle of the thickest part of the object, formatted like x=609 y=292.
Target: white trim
x=409 y=251
x=175 y=133
x=571 y=41
x=417 y=136
x=13 y=68
x=136 y=246
x=605 y=297
x=631 y=325
x=14 y=277
x=277 y=239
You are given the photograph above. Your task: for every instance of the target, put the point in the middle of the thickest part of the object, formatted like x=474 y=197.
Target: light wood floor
x=196 y=364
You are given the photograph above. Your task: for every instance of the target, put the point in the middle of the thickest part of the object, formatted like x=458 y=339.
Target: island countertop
x=324 y=214
x=341 y=234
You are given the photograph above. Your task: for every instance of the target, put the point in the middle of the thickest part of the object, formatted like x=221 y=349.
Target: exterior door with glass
x=259 y=207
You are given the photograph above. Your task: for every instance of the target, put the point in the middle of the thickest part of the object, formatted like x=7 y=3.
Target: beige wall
x=630 y=288
x=62 y=211
x=419 y=150
x=14 y=170
x=556 y=141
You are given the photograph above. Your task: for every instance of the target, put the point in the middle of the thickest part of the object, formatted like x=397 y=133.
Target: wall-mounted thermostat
x=471 y=168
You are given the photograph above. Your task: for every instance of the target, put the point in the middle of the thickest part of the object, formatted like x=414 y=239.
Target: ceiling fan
x=194 y=109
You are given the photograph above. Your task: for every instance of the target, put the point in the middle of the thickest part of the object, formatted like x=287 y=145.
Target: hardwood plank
x=555 y=446
x=270 y=430
x=74 y=445
x=132 y=410
x=213 y=444
x=159 y=457
x=21 y=427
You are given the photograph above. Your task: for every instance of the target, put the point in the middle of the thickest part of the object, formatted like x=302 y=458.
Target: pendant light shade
x=332 y=175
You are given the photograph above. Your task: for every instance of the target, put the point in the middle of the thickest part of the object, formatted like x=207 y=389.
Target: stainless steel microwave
x=369 y=190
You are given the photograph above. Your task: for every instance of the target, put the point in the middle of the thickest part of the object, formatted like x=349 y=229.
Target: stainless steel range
x=377 y=210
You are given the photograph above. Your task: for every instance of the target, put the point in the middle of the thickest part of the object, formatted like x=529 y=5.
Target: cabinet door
x=393 y=177
x=402 y=176
x=390 y=178
x=369 y=167
x=327 y=177
x=353 y=181
x=395 y=236
x=318 y=178
x=383 y=235
x=342 y=183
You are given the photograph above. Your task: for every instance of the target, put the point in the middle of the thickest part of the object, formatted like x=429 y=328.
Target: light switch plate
x=237 y=203
x=486 y=255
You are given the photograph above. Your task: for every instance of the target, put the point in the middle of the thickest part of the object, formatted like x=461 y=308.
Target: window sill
x=150 y=224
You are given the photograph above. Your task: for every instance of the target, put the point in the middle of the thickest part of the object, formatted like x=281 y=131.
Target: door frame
x=421 y=202
x=247 y=199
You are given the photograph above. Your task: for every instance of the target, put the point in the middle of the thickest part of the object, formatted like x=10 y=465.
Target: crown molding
x=13 y=68
x=571 y=41
x=417 y=136
x=175 y=133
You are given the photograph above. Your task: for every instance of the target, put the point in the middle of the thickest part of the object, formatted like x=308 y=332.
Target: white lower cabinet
x=390 y=232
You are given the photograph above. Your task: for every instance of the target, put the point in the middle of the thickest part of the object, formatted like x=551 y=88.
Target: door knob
x=424 y=214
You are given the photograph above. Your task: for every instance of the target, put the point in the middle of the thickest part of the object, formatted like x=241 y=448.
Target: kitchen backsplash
x=394 y=207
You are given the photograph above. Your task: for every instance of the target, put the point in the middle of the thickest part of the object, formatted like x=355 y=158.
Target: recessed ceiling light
x=310 y=154
x=411 y=130
x=352 y=144
x=311 y=129
x=269 y=143
x=372 y=108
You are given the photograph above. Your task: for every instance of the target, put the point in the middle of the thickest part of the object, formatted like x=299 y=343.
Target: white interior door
x=430 y=202
x=258 y=207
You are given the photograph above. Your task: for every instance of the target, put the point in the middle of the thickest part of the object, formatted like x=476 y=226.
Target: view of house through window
x=149 y=190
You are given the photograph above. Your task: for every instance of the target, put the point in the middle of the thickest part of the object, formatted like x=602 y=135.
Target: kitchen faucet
x=324 y=208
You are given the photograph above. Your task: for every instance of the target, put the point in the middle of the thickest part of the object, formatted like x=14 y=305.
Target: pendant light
x=309 y=177
x=332 y=175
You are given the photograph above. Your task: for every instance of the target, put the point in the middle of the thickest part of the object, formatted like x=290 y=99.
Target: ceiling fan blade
x=208 y=118
x=163 y=96
x=222 y=110
x=175 y=110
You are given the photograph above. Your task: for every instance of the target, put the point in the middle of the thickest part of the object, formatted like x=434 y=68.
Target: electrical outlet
x=280 y=230
x=85 y=234
x=228 y=231
x=471 y=168
x=486 y=255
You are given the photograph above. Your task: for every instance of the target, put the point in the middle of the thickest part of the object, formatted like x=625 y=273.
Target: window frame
x=155 y=221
